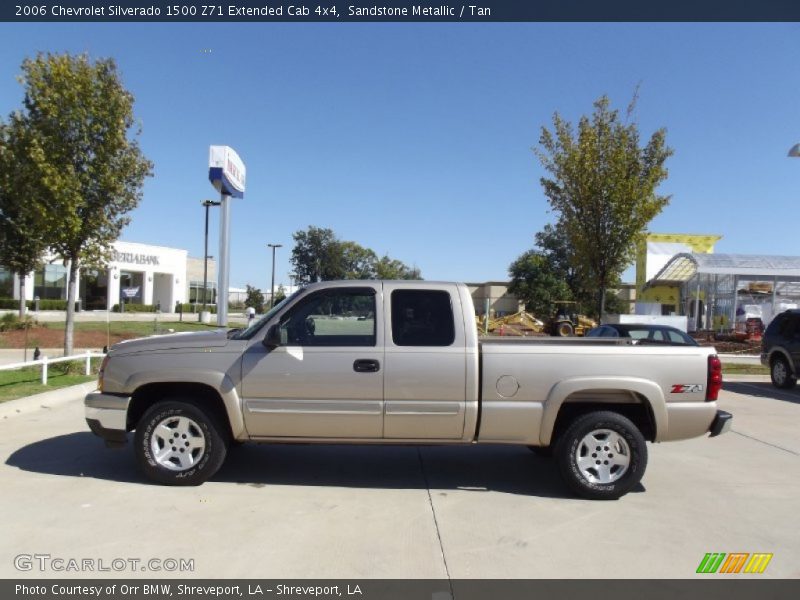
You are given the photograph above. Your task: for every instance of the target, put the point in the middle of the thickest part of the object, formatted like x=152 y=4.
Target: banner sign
x=226 y=171
x=130 y=292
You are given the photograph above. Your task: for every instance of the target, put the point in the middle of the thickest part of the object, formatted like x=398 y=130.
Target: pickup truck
x=401 y=362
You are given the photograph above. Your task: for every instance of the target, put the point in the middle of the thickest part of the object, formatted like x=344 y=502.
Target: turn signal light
x=101 y=373
x=714 y=378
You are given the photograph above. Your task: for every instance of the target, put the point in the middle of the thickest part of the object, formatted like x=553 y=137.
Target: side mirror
x=273 y=338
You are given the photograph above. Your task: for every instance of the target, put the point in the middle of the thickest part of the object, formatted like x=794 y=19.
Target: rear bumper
x=106 y=416
x=721 y=423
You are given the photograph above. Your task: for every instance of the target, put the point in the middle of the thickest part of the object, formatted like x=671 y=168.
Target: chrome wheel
x=779 y=373
x=177 y=443
x=603 y=456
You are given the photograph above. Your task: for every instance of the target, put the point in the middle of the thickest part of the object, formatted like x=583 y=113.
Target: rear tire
x=565 y=330
x=179 y=443
x=601 y=456
x=781 y=374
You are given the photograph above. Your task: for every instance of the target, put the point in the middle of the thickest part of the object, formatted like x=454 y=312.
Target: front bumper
x=721 y=423
x=106 y=415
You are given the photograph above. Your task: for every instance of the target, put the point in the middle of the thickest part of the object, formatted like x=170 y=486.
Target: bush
x=11 y=322
x=188 y=307
x=137 y=308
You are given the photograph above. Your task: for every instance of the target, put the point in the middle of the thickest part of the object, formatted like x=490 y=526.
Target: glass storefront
x=50 y=283
x=6 y=283
x=196 y=292
x=94 y=289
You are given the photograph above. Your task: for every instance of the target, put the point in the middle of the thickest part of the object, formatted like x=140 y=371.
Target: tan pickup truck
x=400 y=362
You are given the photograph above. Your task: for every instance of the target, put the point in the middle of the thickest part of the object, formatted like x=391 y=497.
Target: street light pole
x=207 y=204
x=272 y=288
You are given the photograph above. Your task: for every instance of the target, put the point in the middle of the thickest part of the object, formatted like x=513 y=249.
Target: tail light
x=101 y=373
x=714 y=378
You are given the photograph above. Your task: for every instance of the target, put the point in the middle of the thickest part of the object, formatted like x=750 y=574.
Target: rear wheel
x=781 y=374
x=602 y=455
x=565 y=329
x=179 y=443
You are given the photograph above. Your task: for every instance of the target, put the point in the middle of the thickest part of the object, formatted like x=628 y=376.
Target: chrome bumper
x=107 y=415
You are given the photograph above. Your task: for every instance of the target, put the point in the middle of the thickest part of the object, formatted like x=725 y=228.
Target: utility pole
x=272 y=287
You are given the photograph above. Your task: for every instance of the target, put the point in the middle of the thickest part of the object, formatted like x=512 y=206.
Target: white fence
x=44 y=362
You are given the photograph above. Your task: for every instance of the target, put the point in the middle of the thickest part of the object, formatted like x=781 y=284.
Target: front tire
x=179 y=443
x=565 y=330
x=601 y=456
x=781 y=374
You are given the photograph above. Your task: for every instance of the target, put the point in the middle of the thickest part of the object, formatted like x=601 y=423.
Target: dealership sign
x=226 y=171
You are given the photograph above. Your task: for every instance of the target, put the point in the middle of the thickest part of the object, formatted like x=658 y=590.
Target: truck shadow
x=507 y=469
x=760 y=389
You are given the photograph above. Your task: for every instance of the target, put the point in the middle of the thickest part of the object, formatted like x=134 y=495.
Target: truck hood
x=192 y=339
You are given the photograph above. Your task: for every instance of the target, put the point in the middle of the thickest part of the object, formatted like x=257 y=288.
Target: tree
x=280 y=294
x=22 y=225
x=389 y=268
x=318 y=255
x=536 y=280
x=83 y=150
x=254 y=299
x=602 y=185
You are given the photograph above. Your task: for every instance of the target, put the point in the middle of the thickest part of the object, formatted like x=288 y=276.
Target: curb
x=46 y=399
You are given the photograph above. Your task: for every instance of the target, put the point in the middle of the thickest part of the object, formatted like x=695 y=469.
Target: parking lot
x=404 y=512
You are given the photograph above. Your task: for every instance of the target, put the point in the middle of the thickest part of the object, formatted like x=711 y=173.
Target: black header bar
x=399 y=11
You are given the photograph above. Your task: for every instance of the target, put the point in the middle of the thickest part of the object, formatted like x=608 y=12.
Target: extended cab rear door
x=425 y=362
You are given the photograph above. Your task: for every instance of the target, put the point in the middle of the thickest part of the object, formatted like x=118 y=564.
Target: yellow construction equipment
x=566 y=323
x=520 y=323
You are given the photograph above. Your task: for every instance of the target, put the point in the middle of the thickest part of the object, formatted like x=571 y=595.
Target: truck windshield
x=257 y=324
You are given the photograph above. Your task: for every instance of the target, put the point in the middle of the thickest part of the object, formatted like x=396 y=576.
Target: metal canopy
x=682 y=267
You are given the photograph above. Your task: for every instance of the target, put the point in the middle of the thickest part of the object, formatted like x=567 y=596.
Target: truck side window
x=336 y=317
x=422 y=318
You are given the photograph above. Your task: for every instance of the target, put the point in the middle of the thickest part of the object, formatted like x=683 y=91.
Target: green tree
x=536 y=280
x=22 y=223
x=390 y=268
x=280 y=294
x=254 y=299
x=602 y=185
x=83 y=150
x=318 y=255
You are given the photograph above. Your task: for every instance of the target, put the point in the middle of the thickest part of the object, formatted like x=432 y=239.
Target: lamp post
x=208 y=204
x=794 y=151
x=272 y=287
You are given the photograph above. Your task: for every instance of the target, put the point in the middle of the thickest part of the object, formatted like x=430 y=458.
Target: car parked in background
x=644 y=333
x=780 y=349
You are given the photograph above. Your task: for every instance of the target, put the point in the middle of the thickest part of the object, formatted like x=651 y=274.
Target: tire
x=565 y=330
x=618 y=465
x=202 y=436
x=781 y=374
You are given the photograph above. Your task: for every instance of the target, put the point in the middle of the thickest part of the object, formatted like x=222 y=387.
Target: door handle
x=366 y=365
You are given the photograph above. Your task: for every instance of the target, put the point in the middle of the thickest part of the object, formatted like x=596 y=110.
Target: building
x=136 y=274
x=501 y=301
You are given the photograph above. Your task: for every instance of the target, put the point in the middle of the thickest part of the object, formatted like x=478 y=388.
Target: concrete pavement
x=406 y=512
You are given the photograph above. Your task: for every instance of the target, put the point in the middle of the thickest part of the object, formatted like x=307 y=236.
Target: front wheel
x=179 y=443
x=781 y=375
x=602 y=455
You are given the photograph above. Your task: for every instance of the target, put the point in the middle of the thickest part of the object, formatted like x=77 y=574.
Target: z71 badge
x=687 y=388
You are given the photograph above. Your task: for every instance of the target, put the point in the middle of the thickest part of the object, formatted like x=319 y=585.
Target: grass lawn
x=739 y=369
x=26 y=382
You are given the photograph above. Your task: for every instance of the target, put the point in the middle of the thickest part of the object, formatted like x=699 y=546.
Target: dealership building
x=136 y=274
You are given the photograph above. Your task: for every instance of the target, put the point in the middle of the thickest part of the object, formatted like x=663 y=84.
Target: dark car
x=644 y=334
x=780 y=349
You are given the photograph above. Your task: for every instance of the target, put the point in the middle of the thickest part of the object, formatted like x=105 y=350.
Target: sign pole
x=224 y=260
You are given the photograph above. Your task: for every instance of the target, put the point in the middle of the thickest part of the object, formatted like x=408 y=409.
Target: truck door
x=425 y=363
x=325 y=380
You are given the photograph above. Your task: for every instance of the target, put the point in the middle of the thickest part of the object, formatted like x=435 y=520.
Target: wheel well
x=204 y=396
x=637 y=410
